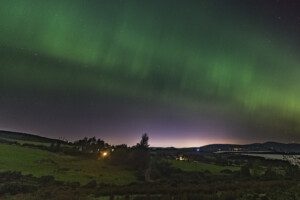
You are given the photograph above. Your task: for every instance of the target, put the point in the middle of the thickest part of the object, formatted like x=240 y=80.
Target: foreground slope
x=28 y=138
x=65 y=168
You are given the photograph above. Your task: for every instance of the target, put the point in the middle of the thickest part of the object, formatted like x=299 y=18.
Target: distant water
x=272 y=156
x=293 y=159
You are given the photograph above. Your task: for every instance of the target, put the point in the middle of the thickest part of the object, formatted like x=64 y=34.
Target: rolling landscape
x=34 y=167
x=149 y=100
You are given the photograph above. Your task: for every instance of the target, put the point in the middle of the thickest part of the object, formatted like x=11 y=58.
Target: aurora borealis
x=186 y=72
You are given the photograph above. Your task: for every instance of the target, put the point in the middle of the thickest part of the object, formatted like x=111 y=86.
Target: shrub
x=46 y=180
x=269 y=173
x=74 y=184
x=226 y=171
x=15 y=188
x=245 y=171
x=91 y=184
x=10 y=175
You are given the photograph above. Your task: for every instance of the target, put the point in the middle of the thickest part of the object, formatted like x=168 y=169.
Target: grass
x=28 y=137
x=62 y=167
x=201 y=167
x=45 y=143
x=27 y=142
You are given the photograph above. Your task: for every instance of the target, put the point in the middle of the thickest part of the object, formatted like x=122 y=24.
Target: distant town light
x=181 y=158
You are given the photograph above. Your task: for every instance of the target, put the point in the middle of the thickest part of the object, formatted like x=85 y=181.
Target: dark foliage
x=245 y=171
x=91 y=184
x=90 y=145
x=46 y=180
x=15 y=188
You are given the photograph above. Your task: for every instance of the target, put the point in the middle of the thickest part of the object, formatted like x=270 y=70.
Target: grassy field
x=16 y=136
x=66 y=168
x=22 y=142
x=27 y=142
x=201 y=167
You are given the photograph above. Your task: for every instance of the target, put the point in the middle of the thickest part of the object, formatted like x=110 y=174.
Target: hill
x=63 y=167
x=17 y=136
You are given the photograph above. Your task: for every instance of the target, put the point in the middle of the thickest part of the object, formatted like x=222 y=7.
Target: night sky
x=186 y=72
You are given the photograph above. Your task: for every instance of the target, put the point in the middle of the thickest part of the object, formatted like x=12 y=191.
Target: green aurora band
x=196 y=57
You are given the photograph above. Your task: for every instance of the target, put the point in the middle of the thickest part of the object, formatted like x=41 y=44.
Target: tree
x=140 y=157
x=144 y=142
x=100 y=144
x=90 y=145
x=84 y=144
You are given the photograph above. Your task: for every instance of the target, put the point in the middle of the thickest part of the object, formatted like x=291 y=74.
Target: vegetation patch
x=195 y=166
x=63 y=167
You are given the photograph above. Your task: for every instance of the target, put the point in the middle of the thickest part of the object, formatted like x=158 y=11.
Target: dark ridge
x=28 y=137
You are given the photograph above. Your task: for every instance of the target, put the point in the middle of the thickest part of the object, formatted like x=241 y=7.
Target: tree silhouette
x=141 y=157
x=144 y=143
x=90 y=145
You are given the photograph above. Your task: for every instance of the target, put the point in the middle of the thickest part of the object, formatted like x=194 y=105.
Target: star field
x=186 y=72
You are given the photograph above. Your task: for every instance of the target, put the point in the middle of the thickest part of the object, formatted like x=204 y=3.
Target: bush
x=161 y=168
x=91 y=184
x=10 y=175
x=46 y=180
x=270 y=174
x=292 y=171
x=74 y=184
x=120 y=157
x=15 y=188
x=245 y=171
x=226 y=171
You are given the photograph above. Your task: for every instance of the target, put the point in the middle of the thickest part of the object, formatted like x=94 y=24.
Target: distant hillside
x=268 y=146
x=27 y=137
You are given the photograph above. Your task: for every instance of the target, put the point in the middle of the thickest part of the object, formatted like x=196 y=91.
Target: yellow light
x=104 y=154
